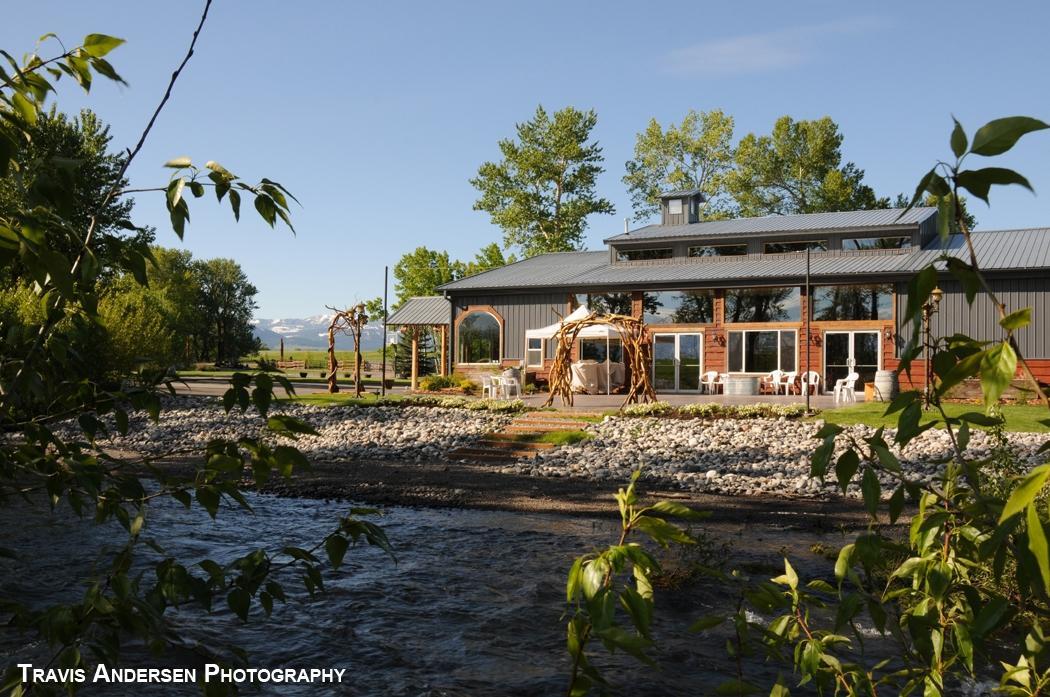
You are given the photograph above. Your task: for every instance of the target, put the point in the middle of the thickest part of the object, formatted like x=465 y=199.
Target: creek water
x=473 y=605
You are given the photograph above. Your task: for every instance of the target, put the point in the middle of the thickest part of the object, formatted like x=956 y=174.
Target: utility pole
x=805 y=342
x=382 y=379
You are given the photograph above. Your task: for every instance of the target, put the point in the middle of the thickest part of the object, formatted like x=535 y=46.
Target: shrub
x=433 y=383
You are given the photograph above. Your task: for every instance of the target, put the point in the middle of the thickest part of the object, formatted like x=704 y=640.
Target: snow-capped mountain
x=312 y=332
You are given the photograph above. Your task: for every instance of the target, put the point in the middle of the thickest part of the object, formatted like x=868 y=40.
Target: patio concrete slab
x=589 y=402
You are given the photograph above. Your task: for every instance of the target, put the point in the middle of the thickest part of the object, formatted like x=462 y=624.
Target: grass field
x=317 y=358
x=1019 y=418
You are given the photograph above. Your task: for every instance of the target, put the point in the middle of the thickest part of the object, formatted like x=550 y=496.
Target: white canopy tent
x=595 y=331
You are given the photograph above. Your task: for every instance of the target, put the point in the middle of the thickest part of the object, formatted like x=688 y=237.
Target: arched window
x=479 y=338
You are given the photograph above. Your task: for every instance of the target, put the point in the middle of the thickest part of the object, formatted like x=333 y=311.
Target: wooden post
x=333 y=365
x=282 y=348
x=415 y=357
x=444 y=337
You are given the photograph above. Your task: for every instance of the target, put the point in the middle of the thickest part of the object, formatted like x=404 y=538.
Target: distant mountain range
x=312 y=333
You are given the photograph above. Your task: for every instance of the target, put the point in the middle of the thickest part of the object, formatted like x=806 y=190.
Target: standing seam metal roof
x=430 y=311
x=775 y=224
x=997 y=250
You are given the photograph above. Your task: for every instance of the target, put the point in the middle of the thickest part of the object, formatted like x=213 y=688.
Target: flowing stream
x=473 y=605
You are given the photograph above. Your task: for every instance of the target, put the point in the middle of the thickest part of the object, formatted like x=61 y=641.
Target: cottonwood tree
x=421 y=271
x=543 y=189
x=489 y=257
x=798 y=169
x=696 y=154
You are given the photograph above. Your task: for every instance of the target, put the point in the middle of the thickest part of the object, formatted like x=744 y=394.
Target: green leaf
x=335 y=546
x=1037 y=544
x=958 y=139
x=979 y=182
x=235 y=204
x=98 y=45
x=285 y=425
x=572 y=584
x=239 y=601
x=871 y=489
x=289 y=459
x=208 y=497
x=997 y=370
x=896 y=504
x=1017 y=319
x=678 y=510
x=179 y=163
x=706 y=622
x=842 y=563
x=845 y=468
x=25 y=108
x=1025 y=492
x=999 y=135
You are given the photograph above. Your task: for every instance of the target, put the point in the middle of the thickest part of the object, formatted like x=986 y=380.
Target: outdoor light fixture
x=888 y=335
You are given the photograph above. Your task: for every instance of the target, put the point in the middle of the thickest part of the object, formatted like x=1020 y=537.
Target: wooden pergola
x=417 y=314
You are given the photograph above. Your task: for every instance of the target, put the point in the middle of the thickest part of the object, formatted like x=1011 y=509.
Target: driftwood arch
x=637 y=351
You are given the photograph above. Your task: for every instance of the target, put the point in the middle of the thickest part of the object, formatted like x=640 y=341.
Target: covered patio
x=601 y=402
x=418 y=314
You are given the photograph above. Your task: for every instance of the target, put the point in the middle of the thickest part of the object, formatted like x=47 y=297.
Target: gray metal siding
x=981 y=320
x=519 y=312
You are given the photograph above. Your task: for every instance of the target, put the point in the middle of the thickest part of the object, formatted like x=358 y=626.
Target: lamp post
x=929 y=309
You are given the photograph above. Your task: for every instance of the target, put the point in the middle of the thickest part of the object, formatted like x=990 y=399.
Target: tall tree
x=67 y=164
x=227 y=302
x=696 y=154
x=421 y=271
x=543 y=189
x=798 y=169
x=488 y=257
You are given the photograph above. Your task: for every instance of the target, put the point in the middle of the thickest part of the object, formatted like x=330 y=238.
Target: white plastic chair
x=787 y=380
x=811 y=379
x=510 y=386
x=846 y=388
x=773 y=380
x=711 y=382
x=488 y=387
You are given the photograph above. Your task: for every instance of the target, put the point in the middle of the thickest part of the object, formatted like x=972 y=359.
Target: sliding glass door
x=846 y=352
x=677 y=362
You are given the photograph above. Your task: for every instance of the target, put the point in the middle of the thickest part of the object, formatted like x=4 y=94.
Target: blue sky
x=376 y=114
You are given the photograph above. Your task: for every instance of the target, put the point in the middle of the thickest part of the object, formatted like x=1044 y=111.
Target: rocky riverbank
x=343 y=433
x=759 y=457
x=744 y=457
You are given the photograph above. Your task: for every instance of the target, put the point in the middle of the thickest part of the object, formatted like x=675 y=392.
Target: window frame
x=459 y=336
x=529 y=351
x=670 y=206
x=888 y=288
x=905 y=239
x=809 y=245
x=743 y=350
x=797 y=291
x=621 y=254
x=709 y=292
x=689 y=251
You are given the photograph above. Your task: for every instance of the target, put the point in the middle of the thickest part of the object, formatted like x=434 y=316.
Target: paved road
x=215 y=387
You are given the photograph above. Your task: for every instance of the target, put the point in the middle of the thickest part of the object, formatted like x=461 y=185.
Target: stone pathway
x=515 y=441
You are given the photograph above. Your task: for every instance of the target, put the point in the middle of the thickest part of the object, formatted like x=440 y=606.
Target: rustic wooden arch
x=637 y=350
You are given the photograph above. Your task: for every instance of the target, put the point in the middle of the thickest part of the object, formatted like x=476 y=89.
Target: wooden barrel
x=741 y=385
x=886 y=386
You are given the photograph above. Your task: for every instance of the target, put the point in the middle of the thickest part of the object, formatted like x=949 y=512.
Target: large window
x=643 y=254
x=674 y=206
x=831 y=303
x=594 y=350
x=604 y=303
x=861 y=243
x=678 y=307
x=479 y=339
x=534 y=352
x=761 y=351
x=718 y=250
x=782 y=247
x=763 y=305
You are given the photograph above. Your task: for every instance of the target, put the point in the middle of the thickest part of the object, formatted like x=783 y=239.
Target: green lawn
x=293 y=376
x=317 y=359
x=342 y=399
x=1020 y=418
